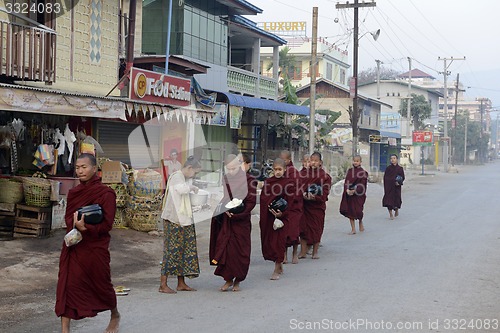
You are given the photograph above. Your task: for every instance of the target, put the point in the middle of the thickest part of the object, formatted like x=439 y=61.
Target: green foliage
x=420 y=110
x=474 y=139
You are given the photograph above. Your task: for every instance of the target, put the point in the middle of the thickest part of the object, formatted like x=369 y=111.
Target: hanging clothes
x=70 y=140
x=60 y=142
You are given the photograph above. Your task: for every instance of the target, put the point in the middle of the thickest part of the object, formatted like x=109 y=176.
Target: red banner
x=422 y=137
x=159 y=88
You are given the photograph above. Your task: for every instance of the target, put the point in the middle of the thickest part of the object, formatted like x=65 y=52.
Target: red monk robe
x=84 y=287
x=313 y=218
x=274 y=241
x=230 y=242
x=292 y=228
x=351 y=206
x=392 y=192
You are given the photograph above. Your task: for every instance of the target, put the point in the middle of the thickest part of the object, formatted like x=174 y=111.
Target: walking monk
x=273 y=234
x=354 y=196
x=394 y=176
x=313 y=219
x=230 y=243
x=84 y=287
x=292 y=228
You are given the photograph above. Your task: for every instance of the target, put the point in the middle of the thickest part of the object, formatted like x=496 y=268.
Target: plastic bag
x=278 y=224
x=73 y=237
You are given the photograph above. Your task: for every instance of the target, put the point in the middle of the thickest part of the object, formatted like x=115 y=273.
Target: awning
x=390 y=134
x=265 y=104
x=54 y=102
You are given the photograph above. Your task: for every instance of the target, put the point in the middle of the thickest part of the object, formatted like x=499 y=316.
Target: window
x=329 y=71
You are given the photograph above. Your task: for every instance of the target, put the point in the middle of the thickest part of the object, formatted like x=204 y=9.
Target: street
x=435 y=268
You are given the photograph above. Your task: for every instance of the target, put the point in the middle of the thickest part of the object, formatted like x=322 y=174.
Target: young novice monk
x=354 y=196
x=292 y=228
x=313 y=219
x=230 y=243
x=274 y=239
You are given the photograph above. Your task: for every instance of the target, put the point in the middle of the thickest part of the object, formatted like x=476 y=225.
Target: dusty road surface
x=433 y=269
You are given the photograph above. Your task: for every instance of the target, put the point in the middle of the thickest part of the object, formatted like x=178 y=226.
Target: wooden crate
x=7 y=221
x=32 y=221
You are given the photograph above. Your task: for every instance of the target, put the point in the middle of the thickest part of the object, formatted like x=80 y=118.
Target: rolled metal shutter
x=118 y=145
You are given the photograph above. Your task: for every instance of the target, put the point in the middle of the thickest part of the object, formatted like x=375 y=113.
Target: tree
x=474 y=139
x=286 y=63
x=370 y=75
x=420 y=109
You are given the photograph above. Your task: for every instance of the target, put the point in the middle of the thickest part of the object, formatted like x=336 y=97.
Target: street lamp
x=355 y=109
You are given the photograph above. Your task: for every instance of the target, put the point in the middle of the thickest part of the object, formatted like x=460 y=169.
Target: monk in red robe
x=84 y=287
x=273 y=236
x=292 y=228
x=354 y=196
x=392 y=187
x=230 y=242
x=313 y=219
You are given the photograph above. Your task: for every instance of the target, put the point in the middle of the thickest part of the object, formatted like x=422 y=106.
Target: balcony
x=27 y=53
x=246 y=82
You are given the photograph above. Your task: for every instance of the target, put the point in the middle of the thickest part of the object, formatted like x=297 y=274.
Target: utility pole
x=312 y=71
x=408 y=111
x=378 y=77
x=481 y=160
x=455 y=127
x=465 y=135
x=355 y=109
x=445 y=110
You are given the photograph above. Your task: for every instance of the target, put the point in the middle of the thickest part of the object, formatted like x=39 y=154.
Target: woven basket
x=142 y=220
x=120 y=218
x=12 y=191
x=121 y=194
x=37 y=192
x=144 y=203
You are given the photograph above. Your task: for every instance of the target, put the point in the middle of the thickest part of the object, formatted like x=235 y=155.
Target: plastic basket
x=37 y=192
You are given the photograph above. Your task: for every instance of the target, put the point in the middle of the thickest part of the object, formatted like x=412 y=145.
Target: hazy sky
x=421 y=29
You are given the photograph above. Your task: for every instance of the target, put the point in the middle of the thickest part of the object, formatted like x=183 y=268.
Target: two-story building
x=336 y=98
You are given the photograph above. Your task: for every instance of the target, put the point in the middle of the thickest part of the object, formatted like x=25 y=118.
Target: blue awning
x=390 y=134
x=265 y=104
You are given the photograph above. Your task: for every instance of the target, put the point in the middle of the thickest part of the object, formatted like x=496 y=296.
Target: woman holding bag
x=180 y=255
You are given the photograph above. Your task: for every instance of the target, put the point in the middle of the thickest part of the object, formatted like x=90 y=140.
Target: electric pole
x=455 y=126
x=408 y=111
x=378 y=77
x=355 y=109
x=445 y=110
x=312 y=71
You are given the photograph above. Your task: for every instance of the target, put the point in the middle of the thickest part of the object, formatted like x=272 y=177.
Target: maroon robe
x=273 y=242
x=351 y=206
x=84 y=287
x=292 y=228
x=230 y=242
x=313 y=219
x=392 y=192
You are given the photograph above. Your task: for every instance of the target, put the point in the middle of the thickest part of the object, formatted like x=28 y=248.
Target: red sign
x=159 y=88
x=422 y=138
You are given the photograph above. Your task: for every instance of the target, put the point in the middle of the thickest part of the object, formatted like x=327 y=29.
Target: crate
x=32 y=221
x=7 y=220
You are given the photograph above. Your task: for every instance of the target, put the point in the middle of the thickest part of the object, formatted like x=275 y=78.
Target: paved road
x=433 y=269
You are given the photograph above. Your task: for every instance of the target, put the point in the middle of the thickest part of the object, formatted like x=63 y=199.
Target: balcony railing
x=250 y=83
x=27 y=53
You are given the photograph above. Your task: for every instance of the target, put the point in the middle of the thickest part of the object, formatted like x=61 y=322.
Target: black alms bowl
x=279 y=204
